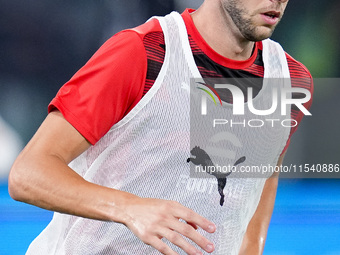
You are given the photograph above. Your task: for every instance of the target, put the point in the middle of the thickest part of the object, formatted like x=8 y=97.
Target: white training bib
x=147 y=153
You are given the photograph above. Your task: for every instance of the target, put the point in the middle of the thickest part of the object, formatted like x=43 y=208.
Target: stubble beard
x=248 y=30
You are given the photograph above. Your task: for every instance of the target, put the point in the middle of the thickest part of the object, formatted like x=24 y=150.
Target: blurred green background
x=44 y=42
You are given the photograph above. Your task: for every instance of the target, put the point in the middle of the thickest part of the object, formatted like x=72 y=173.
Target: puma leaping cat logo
x=203 y=159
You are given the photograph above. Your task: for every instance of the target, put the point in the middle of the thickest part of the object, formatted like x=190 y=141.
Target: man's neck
x=221 y=34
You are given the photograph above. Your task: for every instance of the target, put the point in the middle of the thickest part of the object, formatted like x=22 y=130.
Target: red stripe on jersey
x=257 y=70
x=221 y=66
x=300 y=78
x=127 y=65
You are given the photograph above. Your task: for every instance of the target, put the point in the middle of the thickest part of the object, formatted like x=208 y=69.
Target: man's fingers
x=165 y=219
x=179 y=241
x=189 y=215
x=193 y=225
x=159 y=245
x=193 y=235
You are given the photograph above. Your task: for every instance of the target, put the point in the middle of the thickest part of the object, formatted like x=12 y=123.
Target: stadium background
x=44 y=42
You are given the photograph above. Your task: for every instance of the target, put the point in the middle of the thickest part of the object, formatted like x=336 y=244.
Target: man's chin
x=260 y=35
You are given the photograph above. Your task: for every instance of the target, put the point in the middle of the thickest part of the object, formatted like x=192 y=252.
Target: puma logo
x=202 y=158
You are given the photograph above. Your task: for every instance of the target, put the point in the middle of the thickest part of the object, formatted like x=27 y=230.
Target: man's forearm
x=256 y=234
x=47 y=182
x=60 y=189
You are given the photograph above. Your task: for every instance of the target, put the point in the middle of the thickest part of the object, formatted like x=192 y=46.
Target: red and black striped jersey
x=123 y=70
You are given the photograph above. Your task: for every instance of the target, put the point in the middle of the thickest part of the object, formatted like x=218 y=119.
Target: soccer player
x=113 y=156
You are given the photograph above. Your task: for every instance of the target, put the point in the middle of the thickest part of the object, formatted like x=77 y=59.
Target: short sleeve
x=300 y=78
x=106 y=88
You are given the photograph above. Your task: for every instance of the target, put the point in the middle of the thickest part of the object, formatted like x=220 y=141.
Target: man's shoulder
x=130 y=39
x=151 y=26
x=300 y=76
x=297 y=69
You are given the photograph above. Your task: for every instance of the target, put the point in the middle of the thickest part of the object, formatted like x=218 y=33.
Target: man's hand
x=153 y=219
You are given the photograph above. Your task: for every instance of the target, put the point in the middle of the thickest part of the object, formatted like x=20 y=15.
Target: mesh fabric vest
x=146 y=154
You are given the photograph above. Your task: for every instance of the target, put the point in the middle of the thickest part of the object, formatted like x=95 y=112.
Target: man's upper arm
x=55 y=139
x=279 y=162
